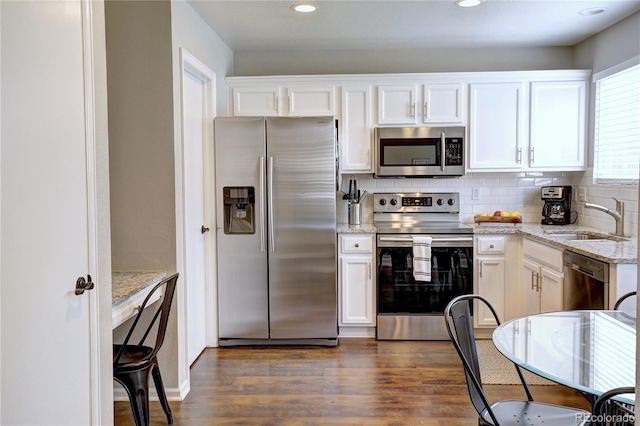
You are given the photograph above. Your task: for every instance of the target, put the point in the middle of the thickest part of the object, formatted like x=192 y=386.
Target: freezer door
x=302 y=224
x=239 y=145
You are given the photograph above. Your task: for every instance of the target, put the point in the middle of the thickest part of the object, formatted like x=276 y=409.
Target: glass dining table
x=590 y=351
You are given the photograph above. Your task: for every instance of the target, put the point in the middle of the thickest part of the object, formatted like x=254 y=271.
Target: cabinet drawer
x=356 y=244
x=543 y=253
x=490 y=245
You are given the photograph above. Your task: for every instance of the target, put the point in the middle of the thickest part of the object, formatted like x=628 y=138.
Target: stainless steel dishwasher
x=586 y=282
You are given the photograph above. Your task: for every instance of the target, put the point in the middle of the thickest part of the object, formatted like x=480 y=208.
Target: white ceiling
x=393 y=24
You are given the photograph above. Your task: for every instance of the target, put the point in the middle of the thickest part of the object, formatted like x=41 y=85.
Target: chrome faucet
x=618 y=215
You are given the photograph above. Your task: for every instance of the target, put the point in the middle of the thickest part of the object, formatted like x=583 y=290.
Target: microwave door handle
x=442 y=152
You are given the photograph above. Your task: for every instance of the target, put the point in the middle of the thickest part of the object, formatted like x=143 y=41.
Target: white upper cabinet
x=443 y=103
x=310 y=101
x=496 y=125
x=257 y=101
x=527 y=125
x=557 y=132
x=355 y=130
x=279 y=101
x=516 y=120
x=397 y=104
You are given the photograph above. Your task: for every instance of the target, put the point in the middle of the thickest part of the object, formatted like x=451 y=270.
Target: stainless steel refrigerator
x=276 y=230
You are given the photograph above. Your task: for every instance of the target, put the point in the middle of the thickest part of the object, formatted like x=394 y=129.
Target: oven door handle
x=435 y=239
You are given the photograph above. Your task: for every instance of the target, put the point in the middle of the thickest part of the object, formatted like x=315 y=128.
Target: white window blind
x=617 y=128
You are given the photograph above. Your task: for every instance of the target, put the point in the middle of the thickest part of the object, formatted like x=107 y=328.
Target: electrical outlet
x=582 y=194
x=475 y=194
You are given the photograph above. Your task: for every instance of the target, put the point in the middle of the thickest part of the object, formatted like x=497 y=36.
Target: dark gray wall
x=249 y=63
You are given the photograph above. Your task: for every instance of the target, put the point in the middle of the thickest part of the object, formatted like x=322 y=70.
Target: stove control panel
x=416 y=202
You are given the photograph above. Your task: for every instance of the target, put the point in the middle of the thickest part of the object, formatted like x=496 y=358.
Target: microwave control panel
x=453 y=151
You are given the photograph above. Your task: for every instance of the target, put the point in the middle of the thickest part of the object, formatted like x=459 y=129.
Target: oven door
x=410 y=309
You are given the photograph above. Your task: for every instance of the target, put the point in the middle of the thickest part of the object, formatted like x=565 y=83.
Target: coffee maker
x=557 y=205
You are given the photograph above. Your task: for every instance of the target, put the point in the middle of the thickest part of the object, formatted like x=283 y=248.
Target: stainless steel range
x=410 y=308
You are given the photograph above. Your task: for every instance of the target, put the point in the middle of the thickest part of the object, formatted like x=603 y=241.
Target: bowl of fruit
x=499 y=216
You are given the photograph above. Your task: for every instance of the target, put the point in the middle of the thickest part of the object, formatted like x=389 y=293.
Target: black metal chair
x=459 y=324
x=132 y=364
x=609 y=412
x=619 y=303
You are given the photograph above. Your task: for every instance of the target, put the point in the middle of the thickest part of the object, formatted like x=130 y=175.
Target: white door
x=197 y=105
x=491 y=282
x=530 y=290
x=356 y=291
x=49 y=334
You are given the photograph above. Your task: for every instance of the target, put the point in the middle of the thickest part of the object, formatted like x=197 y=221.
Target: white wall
x=189 y=32
x=612 y=46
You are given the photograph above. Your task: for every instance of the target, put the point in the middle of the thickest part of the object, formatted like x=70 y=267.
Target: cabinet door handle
x=519 y=156
x=533 y=279
x=539 y=282
x=532 y=151
x=413 y=111
x=370 y=268
x=426 y=117
x=480 y=269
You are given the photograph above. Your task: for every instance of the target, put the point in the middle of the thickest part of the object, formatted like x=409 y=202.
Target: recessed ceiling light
x=467 y=3
x=303 y=8
x=592 y=11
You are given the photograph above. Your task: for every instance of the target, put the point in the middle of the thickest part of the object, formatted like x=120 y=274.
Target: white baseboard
x=173 y=394
x=360 y=332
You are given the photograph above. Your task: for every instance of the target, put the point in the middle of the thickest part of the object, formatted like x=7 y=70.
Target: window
x=617 y=125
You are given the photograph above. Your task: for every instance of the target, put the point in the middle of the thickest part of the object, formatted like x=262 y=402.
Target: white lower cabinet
x=542 y=278
x=356 y=284
x=496 y=277
x=490 y=278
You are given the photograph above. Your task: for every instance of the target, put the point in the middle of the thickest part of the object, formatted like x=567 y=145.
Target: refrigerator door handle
x=270 y=212
x=263 y=225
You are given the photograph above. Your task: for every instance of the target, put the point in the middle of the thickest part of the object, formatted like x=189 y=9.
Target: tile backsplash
x=488 y=192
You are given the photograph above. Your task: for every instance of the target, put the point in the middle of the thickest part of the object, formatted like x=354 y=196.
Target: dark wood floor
x=360 y=382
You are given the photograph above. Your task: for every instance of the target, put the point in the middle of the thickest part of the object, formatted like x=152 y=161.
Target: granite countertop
x=365 y=228
x=127 y=283
x=606 y=251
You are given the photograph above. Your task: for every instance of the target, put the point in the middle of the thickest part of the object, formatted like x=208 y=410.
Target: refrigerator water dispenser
x=239 y=209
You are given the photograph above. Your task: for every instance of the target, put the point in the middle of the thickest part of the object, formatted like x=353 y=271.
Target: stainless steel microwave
x=419 y=151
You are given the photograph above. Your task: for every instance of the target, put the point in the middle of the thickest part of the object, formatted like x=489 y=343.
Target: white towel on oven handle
x=422 y=258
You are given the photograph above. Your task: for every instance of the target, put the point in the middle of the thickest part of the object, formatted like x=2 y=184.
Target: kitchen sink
x=591 y=236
